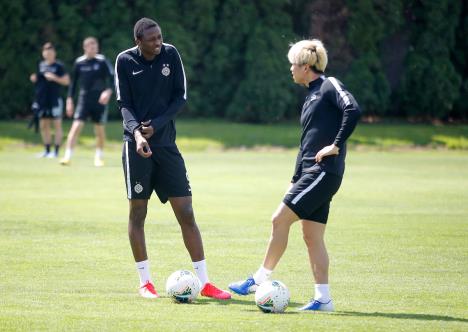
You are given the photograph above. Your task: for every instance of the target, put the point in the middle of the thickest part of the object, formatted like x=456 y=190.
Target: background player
x=94 y=74
x=48 y=104
x=151 y=89
x=329 y=116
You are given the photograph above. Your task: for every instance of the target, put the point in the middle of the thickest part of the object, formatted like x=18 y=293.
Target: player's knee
x=186 y=217
x=277 y=221
x=137 y=215
x=309 y=240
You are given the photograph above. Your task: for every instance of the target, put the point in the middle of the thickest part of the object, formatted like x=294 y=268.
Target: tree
x=431 y=85
x=265 y=92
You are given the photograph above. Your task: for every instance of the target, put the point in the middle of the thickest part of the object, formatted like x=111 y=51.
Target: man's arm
x=351 y=112
x=124 y=97
x=74 y=81
x=104 y=98
x=345 y=102
x=179 y=97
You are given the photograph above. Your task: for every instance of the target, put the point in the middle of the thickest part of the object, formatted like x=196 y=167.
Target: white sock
x=322 y=293
x=99 y=153
x=143 y=271
x=201 y=271
x=68 y=153
x=262 y=275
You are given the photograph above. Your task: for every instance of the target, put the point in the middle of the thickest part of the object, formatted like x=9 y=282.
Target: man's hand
x=50 y=76
x=105 y=97
x=146 y=129
x=329 y=150
x=33 y=78
x=70 y=107
x=142 y=145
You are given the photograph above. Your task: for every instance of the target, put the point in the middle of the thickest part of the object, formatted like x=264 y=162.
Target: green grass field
x=397 y=238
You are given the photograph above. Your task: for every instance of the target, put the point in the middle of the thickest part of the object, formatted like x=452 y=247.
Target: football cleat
x=42 y=154
x=315 y=305
x=65 y=162
x=148 y=291
x=51 y=155
x=98 y=162
x=244 y=287
x=210 y=290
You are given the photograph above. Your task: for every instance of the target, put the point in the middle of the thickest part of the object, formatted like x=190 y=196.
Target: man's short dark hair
x=141 y=25
x=48 y=46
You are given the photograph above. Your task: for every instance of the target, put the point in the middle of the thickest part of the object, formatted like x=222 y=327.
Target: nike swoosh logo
x=136 y=72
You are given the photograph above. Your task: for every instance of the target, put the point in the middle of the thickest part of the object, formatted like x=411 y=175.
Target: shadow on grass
x=398 y=315
x=236 y=301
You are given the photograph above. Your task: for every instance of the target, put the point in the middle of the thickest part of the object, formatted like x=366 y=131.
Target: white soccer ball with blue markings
x=272 y=296
x=183 y=286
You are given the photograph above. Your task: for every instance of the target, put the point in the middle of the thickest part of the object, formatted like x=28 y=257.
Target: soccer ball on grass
x=272 y=296
x=183 y=286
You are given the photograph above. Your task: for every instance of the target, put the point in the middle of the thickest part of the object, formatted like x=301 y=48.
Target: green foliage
x=264 y=93
x=431 y=84
x=365 y=78
x=234 y=50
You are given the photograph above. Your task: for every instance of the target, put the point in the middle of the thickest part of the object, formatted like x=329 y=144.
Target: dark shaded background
x=402 y=58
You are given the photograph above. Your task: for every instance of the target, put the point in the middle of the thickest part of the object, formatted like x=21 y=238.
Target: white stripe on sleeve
x=340 y=91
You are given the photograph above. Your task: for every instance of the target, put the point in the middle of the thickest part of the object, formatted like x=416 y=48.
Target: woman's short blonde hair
x=310 y=52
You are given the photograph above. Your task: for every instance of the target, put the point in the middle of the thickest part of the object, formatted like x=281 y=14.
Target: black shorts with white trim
x=94 y=110
x=164 y=172
x=311 y=195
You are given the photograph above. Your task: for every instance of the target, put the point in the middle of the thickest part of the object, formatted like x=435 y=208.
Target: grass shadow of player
x=398 y=315
x=238 y=301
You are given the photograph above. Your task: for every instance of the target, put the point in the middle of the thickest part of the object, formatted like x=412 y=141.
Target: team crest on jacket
x=166 y=70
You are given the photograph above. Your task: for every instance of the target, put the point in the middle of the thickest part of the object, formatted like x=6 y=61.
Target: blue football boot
x=315 y=305
x=244 y=287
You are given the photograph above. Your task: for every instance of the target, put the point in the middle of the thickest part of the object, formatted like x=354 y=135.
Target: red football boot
x=148 y=291
x=211 y=290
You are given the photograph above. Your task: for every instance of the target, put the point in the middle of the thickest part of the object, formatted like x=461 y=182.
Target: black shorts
x=311 y=195
x=164 y=172
x=95 y=110
x=54 y=112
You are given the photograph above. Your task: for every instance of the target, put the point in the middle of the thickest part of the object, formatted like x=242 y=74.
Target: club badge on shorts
x=165 y=70
x=138 y=188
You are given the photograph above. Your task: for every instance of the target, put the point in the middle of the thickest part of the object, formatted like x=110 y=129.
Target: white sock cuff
x=322 y=292
x=143 y=271
x=201 y=271
x=262 y=274
x=99 y=153
x=142 y=264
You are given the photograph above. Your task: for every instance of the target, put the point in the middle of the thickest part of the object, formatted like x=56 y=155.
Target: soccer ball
x=183 y=286
x=272 y=296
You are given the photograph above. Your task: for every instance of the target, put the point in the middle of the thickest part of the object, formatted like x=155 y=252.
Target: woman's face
x=299 y=73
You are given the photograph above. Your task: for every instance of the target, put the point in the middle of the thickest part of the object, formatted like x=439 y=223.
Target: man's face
x=151 y=42
x=48 y=53
x=90 y=47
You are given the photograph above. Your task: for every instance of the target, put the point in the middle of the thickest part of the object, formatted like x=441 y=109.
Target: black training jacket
x=329 y=115
x=150 y=90
x=92 y=76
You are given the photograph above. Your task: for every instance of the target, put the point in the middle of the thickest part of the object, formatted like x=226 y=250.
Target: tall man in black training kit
x=151 y=89
x=94 y=74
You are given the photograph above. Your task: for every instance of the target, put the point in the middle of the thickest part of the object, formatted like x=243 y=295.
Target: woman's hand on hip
x=329 y=150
